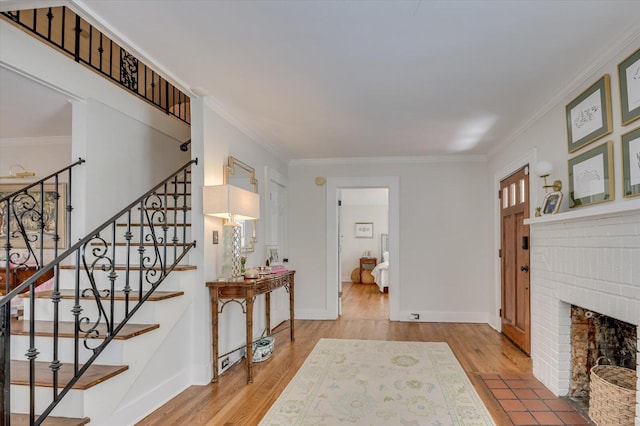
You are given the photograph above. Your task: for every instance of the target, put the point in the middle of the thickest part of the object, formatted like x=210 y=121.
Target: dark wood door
x=516 y=295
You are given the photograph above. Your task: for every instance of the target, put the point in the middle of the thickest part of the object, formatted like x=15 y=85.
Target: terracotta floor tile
x=535 y=405
x=516 y=384
x=525 y=394
x=558 y=405
x=503 y=394
x=522 y=418
x=490 y=376
x=547 y=418
x=496 y=384
x=572 y=418
x=545 y=394
x=512 y=405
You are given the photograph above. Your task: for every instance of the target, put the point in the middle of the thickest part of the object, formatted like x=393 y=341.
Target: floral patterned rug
x=371 y=382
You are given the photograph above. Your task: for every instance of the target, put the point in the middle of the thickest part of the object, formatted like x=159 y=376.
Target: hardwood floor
x=478 y=347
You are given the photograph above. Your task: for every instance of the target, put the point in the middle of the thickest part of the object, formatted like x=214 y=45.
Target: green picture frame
x=589 y=115
x=591 y=179
x=629 y=79
x=631 y=163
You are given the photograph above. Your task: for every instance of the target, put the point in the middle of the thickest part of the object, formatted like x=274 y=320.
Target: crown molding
x=388 y=160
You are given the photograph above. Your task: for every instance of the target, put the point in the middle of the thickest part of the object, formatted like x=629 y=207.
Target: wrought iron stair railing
x=126 y=258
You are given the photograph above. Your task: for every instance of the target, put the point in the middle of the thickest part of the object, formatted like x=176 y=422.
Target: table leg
x=249 y=315
x=214 y=328
x=267 y=309
x=291 y=307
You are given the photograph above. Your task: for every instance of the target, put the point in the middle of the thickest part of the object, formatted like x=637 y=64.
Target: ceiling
x=373 y=78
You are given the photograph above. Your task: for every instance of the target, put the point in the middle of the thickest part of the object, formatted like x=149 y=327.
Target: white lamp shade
x=543 y=168
x=225 y=200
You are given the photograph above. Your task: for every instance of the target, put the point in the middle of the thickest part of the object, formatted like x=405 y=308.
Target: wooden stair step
x=146 y=225
x=119 y=295
x=167 y=208
x=137 y=268
x=94 y=375
x=23 y=420
x=135 y=244
x=67 y=329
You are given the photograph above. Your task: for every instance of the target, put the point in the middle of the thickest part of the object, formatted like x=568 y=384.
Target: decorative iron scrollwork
x=128 y=70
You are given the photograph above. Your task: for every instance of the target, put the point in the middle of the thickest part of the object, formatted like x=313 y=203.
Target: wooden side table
x=244 y=292
x=367 y=263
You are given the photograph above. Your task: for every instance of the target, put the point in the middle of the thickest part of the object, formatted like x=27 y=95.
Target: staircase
x=104 y=336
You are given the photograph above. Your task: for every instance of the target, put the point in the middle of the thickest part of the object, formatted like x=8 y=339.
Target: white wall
x=353 y=248
x=43 y=156
x=444 y=246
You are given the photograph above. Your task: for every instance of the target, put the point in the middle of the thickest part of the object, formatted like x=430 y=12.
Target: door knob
x=524 y=268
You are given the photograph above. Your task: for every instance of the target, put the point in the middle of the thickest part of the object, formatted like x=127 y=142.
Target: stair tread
x=119 y=295
x=137 y=225
x=135 y=244
x=94 y=375
x=137 y=268
x=67 y=329
x=23 y=420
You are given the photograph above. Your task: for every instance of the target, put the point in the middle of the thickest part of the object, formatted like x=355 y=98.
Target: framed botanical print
x=591 y=176
x=589 y=115
x=631 y=163
x=629 y=78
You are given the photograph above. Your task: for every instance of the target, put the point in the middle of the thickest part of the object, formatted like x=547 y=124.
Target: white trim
x=448 y=316
x=530 y=157
x=333 y=186
x=388 y=160
x=591 y=212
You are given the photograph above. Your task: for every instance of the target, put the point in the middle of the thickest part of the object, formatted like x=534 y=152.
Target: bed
x=381 y=273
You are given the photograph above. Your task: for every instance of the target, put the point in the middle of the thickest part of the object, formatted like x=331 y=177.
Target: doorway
x=363 y=228
x=333 y=277
x=514 y=254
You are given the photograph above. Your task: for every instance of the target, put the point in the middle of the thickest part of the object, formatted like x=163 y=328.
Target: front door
x=514 y=208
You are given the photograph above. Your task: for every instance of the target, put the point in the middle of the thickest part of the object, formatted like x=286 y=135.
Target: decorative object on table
x=364 y=230
x=231 y=202
x=373 y=382
x=631 y=163
x=551 y=203
x=263 y=348
x=629 y=78
x=591 y=176
x=28 y=216
x=273 y=256
x=251 y=273
x=538 y=211
x=243 y=261
x=589 y=115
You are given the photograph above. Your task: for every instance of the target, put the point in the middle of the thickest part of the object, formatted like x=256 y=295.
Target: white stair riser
x=158 y=231
x=111 y=355
x=102 y=281
x=148 y=255
x=44 y=310
x=72 y=405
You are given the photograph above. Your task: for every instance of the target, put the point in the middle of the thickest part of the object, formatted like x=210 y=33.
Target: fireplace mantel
x=588 y=212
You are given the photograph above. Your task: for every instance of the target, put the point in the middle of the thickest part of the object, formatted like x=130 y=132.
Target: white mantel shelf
x=587 y=212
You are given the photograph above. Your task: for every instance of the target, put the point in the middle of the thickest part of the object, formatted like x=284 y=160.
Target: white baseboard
x=440 y=316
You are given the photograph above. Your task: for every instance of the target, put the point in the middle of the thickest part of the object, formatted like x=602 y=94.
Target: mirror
x=239 y=174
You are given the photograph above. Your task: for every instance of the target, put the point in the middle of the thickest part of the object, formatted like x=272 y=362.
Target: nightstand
x=367 y=263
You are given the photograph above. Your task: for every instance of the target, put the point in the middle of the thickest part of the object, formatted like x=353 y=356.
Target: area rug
x=371 y=382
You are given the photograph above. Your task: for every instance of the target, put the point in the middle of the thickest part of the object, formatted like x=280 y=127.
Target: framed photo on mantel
x=589 y=115
x=591 y=176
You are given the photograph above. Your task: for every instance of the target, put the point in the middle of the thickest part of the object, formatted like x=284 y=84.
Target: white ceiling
x=332 y=79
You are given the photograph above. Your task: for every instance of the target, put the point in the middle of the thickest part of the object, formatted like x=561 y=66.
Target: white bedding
x=381 y=275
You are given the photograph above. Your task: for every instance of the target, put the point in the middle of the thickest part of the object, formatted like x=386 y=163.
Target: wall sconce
x=544 y=169
x=17 y=171
x=231 y=203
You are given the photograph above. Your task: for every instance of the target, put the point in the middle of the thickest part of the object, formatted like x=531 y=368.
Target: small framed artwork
x=589 y=115
x=631 y=163
x=591 y=176
x=273 y=255
x=364 y=229
x=629 y=78
x=551 y=203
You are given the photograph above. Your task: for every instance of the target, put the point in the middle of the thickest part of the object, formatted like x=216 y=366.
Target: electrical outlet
x=225 y=362
x=414 y=316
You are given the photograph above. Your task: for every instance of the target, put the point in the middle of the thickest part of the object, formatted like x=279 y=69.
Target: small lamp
x=544 y=169
x=231 y=203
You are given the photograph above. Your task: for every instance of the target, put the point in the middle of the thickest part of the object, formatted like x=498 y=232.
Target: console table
x=244 y=292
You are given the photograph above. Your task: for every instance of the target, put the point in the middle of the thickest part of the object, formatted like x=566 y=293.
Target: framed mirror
x=239 y=174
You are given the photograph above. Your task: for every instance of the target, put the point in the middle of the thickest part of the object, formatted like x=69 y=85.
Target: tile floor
x=528 y=402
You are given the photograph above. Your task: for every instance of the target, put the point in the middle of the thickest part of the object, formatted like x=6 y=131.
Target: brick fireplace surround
x=589 y=258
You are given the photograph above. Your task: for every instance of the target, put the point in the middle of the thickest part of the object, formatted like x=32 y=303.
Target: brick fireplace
x=588 y=258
